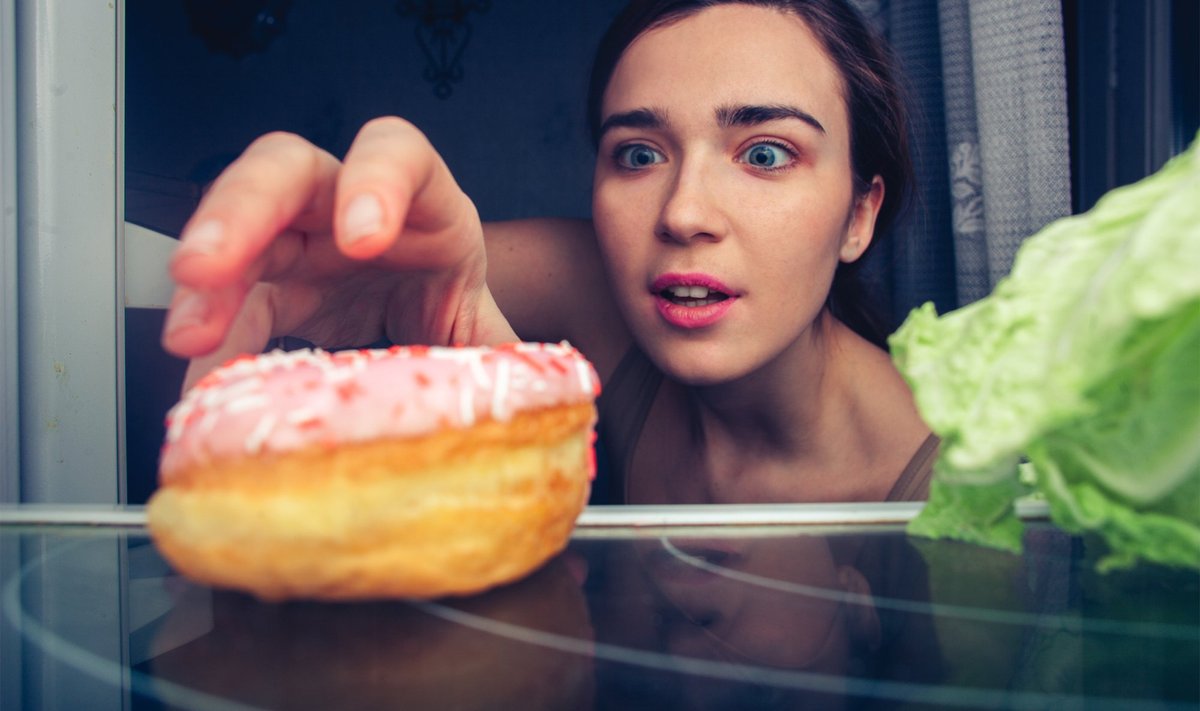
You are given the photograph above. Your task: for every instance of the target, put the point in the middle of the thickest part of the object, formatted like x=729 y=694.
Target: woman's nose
x=691 y=208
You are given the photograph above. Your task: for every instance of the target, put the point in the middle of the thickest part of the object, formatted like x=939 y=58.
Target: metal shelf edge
x=593 y=517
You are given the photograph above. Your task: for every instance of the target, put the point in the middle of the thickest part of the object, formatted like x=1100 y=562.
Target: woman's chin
x=698 y=367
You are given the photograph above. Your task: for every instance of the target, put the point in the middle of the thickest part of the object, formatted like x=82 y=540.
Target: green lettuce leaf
x=1085 y=362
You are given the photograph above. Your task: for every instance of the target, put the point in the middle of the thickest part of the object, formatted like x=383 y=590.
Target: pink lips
x=682 y=316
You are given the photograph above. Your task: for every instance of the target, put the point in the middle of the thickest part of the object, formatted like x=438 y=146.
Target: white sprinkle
x=178 y=416
x=457 y=354
x=247 y=402
x=478 y=373
x=231 y=393
x=258 y=437
x=466 y=404
x=338 y=376
x=173 y=433
x=585 y=376
x=208 y=423
x=500 y=392
x=302 y=416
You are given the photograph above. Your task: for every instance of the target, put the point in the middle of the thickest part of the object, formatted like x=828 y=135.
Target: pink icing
x=286 y=401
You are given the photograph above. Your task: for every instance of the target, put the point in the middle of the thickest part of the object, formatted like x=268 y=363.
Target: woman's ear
x=865 y=626
x=860 y=229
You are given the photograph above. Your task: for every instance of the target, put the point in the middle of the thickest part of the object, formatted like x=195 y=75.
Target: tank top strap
x=623 y=406
x=913 y=483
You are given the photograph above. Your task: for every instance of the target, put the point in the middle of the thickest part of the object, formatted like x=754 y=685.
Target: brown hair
x=878 y=115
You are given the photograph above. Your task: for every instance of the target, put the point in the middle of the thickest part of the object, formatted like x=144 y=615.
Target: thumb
x=249 y=333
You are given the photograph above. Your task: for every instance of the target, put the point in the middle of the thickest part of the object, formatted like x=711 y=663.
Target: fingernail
x=204 y=238
x=189 y=310
x=363 y=217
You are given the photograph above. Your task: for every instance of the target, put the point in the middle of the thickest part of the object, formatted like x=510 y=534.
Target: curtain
x=987 y=81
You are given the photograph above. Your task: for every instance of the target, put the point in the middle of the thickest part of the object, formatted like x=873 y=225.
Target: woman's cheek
x=611 y=218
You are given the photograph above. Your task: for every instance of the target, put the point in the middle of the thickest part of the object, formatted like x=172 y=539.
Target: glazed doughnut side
x=469 y=474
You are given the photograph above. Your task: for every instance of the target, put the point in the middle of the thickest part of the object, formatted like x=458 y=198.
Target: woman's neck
x=780 y=407
x=829 y=419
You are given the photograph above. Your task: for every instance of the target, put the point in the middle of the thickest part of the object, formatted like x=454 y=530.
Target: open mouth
x=693 y=300
x=692 y=295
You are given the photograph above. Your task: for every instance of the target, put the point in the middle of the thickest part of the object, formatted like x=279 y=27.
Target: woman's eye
x=638 y=156
x=767 y=155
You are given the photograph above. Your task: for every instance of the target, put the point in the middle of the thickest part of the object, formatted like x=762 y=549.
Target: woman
x=780 y=622
x=747 y=155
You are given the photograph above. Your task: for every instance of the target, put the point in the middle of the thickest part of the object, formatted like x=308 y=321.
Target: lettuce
x=1083 y=366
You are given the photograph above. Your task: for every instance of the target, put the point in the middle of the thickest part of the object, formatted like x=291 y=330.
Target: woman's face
x=729 y=615
x=723 y=190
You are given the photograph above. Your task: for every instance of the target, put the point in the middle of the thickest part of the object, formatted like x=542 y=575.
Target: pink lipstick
x=691 y=300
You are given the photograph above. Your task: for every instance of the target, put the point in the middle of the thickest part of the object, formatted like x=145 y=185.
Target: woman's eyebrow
x=751 y=115
x=637 y=118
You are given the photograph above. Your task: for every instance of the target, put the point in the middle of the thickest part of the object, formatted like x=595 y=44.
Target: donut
x=408 y=472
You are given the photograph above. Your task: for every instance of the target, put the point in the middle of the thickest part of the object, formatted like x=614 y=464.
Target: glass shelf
x=741 y=607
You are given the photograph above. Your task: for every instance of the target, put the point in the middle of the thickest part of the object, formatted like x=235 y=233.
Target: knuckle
x=279 y=139
x=247 y=200
x=274 y=159
x=283 y=151
x=396 y=131
x=391 y=124
x=252 y=195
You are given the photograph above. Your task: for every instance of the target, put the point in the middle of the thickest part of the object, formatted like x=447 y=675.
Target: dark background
x=203 y=78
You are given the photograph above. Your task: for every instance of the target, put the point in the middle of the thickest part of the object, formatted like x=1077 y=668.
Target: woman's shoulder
x=887 y=422
x=548 y=278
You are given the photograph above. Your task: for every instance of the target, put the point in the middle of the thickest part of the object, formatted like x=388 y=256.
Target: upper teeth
x=689 y=292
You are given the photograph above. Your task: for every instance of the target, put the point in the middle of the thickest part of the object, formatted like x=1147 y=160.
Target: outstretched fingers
x=288 y=213
x=198 y=321
x=249 y=223
x=397 y=199
x=280 y=181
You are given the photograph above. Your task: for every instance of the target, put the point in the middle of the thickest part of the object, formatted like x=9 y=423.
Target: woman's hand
x=288 y=241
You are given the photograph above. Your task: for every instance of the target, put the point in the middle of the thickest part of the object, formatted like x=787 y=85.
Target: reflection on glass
x=382 y=655
x=791 y=620
x=708 y=618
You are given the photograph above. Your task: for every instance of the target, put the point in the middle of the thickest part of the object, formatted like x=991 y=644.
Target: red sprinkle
x=533 y=363
x=591 y=458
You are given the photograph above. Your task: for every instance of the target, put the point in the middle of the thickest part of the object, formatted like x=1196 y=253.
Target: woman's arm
x=548 y=278
x=290 y=241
